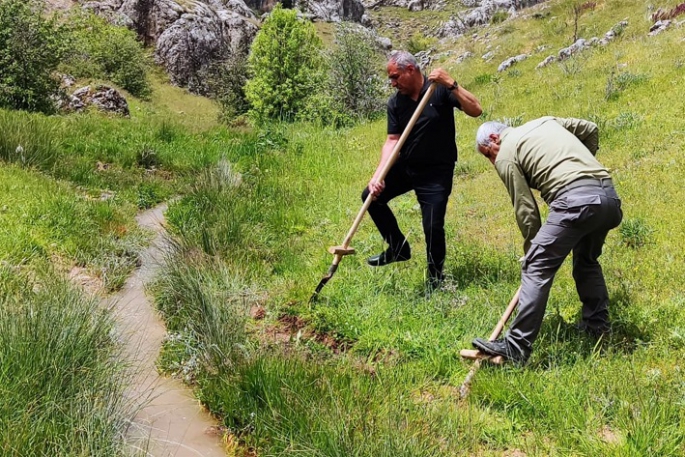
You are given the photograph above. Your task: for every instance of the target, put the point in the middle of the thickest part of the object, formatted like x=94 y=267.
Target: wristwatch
x=453 y=86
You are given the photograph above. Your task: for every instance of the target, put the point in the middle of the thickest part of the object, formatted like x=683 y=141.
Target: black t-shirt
x=432 y=140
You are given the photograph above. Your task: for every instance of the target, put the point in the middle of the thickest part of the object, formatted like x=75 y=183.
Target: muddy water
x=169 y=421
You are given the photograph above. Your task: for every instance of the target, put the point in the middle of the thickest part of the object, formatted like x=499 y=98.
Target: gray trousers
x=580 y=217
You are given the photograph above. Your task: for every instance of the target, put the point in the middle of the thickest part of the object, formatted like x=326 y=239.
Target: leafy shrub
x=102 y=50
x=354 y=74
x=353 y=89
x=30 y=51
x=284 y=65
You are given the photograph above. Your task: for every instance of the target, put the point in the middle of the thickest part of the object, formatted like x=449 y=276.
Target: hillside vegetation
x=372 y=368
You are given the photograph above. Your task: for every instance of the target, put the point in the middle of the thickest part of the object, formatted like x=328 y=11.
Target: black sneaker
x=499 y=347
x=389 y=256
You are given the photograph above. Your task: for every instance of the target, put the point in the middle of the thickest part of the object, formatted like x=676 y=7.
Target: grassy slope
x=392 y=394
x=68 y=197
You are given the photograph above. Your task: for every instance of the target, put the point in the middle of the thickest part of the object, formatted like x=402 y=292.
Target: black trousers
x=433 y=186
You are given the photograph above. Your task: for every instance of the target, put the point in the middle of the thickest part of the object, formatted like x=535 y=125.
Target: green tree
x=30 y=50
x=284 y=66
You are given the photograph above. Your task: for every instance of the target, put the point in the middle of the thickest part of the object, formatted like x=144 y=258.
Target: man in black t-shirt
x=426 y=160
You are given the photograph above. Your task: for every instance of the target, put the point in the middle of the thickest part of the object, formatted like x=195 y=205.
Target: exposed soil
x=169 y=421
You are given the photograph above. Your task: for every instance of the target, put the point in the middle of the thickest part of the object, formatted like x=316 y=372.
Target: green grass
x=60 y=381
x=372 y=368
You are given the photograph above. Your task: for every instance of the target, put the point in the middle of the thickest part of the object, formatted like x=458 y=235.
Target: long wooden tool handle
x=505 y=317
x=391 y=160
x=465 y=387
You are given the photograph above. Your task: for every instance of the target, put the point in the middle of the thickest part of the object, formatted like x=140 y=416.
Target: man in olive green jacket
x=557 y=157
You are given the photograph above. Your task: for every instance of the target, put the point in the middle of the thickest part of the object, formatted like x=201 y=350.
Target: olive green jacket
x=545 y=154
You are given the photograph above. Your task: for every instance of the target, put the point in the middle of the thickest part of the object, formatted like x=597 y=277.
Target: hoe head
x=341 y=250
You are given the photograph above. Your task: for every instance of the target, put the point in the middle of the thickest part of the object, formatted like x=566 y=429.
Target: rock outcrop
x=188 y=36
x=102 y=97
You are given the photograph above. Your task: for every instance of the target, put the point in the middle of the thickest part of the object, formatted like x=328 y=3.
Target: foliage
x=31 y=48
x=284 y=66
x=105 y=51
x=354 y=71
x=61 y=383
x=617 y=83
x=226 y=84
x=635 y=232
x=353 y=89
x=499 y=16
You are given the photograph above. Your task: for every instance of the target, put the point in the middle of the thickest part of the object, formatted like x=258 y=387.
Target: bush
x=284 y=65
x=355 y=64
x=30 y=51
x=101 y=50
x=226 y=83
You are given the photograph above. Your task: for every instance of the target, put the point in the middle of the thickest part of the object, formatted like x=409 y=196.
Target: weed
x=616 y=84
x=635 y=232
x=419 y=42
x=486 y=78
x=626 y=121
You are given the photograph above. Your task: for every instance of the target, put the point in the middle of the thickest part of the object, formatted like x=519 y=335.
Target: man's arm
x=525 y=206
x=376 y=186
x=586 y=131
x=469 y=103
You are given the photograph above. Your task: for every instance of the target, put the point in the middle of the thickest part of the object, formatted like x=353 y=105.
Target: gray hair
x=487 y=129
x=403 y=58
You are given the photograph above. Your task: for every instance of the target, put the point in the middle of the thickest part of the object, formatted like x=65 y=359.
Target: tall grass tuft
x=29 y=140
x=60 y=383
x=205 y=306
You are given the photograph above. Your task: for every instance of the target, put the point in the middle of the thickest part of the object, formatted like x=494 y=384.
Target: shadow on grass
x=562 y=343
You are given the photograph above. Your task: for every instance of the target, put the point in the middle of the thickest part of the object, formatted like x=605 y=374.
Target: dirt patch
x=92 y=285
x=608 y=435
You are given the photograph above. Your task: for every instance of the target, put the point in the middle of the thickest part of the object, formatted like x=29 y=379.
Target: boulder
x=334 y=10
x=189 y=37
x=198 y=39
x=102 y=97
x=511 y=61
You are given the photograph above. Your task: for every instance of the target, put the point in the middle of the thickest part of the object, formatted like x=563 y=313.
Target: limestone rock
x=511 y=61
x=103 y=97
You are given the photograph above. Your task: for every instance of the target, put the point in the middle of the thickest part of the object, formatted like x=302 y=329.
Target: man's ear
x=494 y=137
